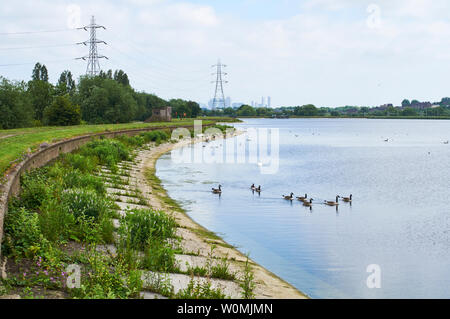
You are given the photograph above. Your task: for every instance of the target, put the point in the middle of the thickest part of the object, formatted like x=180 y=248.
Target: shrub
x=62 y=112
x=222 y=271
x=77 y=179
x=133 y=141
x=105 y=280
x=108 y=152
x=155 y=136
x=85 y=164
x=55 y=221
x=34 y=189
x=143 y=226
x=198 y=290
x=159 y=256
x=22 y=232
x=85 y=202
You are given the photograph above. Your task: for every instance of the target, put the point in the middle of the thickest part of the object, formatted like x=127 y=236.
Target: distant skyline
x=323 y=52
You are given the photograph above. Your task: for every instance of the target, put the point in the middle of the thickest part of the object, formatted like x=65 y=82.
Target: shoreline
x=197 y=238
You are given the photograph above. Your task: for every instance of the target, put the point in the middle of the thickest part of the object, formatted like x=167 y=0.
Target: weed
x=248 y=284
x=198 y=290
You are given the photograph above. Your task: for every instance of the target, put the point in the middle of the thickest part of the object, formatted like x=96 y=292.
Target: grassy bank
x=66 y=215
x=17 y=142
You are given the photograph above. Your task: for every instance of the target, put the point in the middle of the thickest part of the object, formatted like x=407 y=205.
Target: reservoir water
x=398 y=172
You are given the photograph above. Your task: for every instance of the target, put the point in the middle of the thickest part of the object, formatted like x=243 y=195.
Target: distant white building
x=228 y=102
x=269 y=101
x=211 y=104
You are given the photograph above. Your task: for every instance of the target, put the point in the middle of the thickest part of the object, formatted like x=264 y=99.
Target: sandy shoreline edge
x=200 y=240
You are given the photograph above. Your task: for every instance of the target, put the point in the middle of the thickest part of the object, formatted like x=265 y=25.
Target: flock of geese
x=307 y=202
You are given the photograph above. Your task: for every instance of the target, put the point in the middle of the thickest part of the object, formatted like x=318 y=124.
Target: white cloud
x=323 y=54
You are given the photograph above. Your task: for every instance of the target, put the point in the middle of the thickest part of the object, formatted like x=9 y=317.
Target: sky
x=324 y=52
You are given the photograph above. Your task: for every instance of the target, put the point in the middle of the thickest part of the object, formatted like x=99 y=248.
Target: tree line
x=408 y=109
x=106 y=98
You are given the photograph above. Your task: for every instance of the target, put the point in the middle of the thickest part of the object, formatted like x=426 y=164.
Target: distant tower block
x=269 y=101
x=93 y=64
x=219 y=96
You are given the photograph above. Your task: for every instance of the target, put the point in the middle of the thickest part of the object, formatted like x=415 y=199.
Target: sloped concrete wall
x=40 y=158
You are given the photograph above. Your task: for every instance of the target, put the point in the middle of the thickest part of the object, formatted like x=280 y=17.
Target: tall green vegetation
x=106 y=98
x=16 y=108
x=62 y=112
x=66 y=203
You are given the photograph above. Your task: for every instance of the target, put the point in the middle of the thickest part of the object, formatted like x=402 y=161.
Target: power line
x=35 y=32
x=30 y=63
x=37 y=47
x=160 y=75
x=93 y=65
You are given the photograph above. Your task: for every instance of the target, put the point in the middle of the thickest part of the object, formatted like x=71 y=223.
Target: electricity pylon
x=93 y=65
x=219 y=96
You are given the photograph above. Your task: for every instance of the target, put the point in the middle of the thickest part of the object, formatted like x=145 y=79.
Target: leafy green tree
x=409 y=112
x=406 y=103
x=445 y=101
x=246 y=110
x=41 y=95
x=306 y=110
x=335 y=113
x=40 y=73
x=62 y=112
x=364 y=110
x=146 y=103
x=121 y=77
x=391 y=111
x=195 y=108
x=16 y=108
x=229 y=111
x=105 y=101
x=66 y=84
x=264 y=111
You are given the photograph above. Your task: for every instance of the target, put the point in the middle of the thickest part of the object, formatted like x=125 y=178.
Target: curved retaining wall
x=40 y=158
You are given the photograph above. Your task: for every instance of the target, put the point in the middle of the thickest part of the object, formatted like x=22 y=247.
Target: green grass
x=16 y=142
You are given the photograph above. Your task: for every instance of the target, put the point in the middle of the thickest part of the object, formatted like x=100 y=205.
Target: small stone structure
x=163 y=114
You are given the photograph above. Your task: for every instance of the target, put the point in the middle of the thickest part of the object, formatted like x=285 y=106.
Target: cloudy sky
x=325 y=52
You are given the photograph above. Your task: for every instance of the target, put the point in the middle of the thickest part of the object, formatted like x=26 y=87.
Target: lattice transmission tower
x=219 y=96
x=93 y=64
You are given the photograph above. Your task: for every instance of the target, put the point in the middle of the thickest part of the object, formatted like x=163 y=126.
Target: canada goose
x=347 y=199
x=308 y=204
x=291 y=197
x=330 y=203
x=446 y=142
x=217 y=190
x=258 y=190
x=386 y=140
x=253 y=187
x=302 y=198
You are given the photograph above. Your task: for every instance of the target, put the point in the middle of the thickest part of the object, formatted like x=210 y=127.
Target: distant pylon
x=93 y=65
x=219 y=96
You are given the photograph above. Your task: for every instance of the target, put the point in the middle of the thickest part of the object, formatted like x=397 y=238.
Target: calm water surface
x=399 y=218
